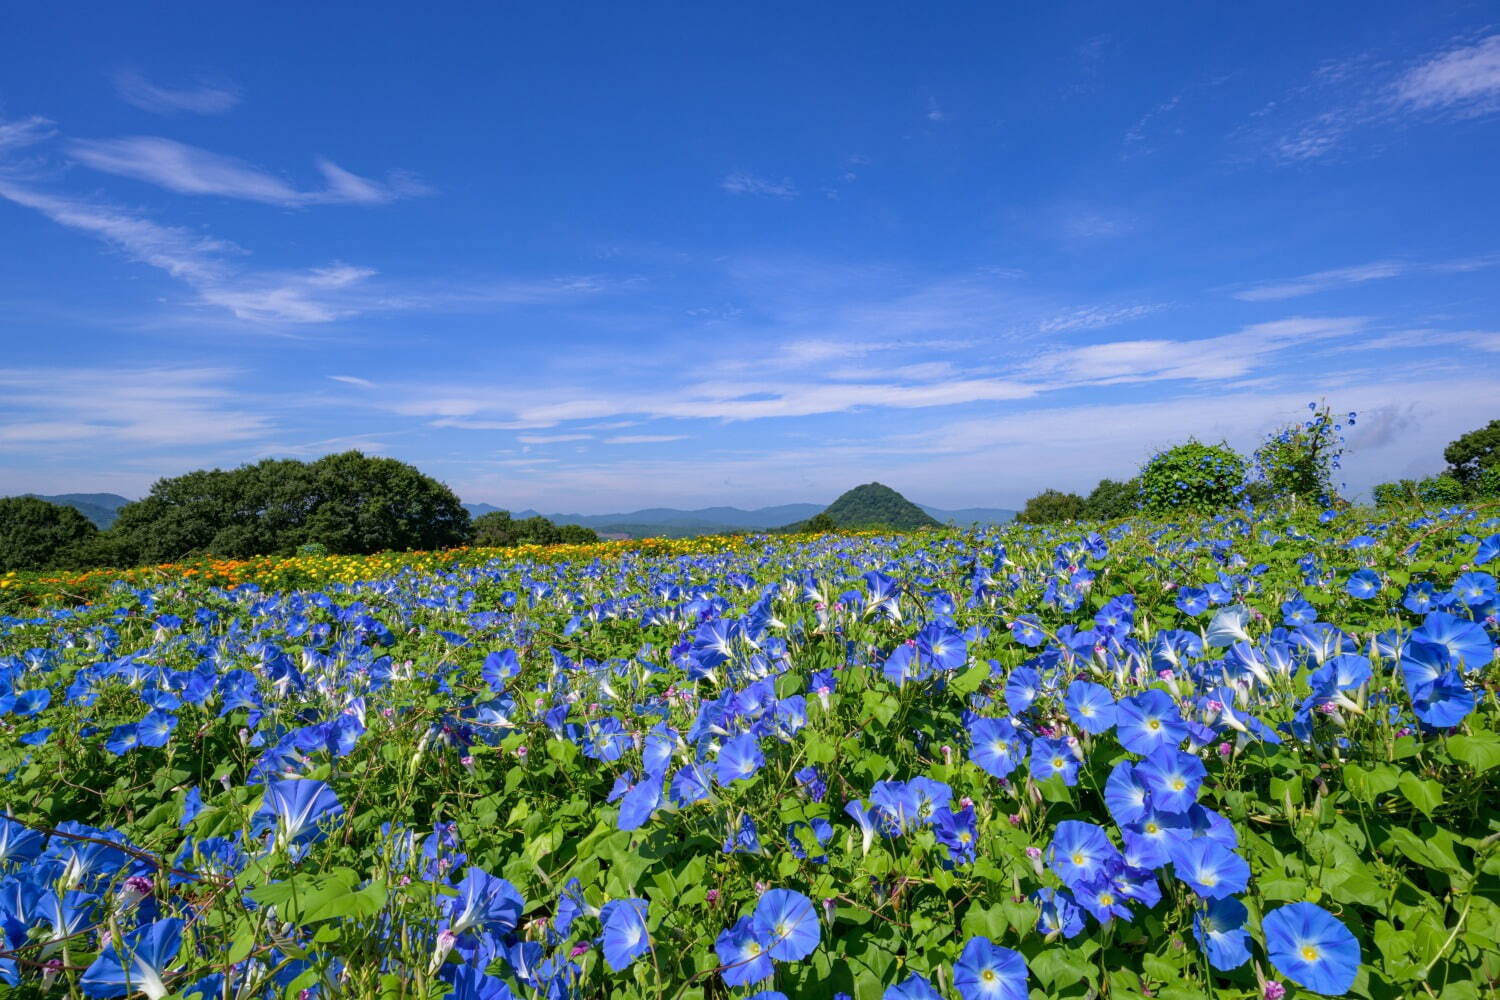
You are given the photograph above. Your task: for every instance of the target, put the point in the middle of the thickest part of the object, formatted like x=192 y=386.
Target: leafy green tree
x=361 y=504
x=35 y=534
x=1297 y=462
x=495 y=530
x=1192 y=476
x=1470 y=454
x=576 y=534
x=498 y=529
x=1441 y=490
x=349 y=503
x=1052 y=507
x=1395 y=494
x=1112 y=499
x=820 y=522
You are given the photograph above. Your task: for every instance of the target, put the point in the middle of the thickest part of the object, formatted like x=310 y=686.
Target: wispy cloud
x=742 y=183
x=552 y=438
x=1322 y=116
x=1465 y=79
x=205 y=98
x=150 y=407
x=1096 y=317
x=354 y=380
x=1229 y=356
x=645 y=438
x=1321 y=281
x=1343 y=277
x=187 y=169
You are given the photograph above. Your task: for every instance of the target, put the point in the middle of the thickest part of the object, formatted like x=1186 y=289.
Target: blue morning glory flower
x=739 y=759
x=1059 y=914
x=1363 y=584
x=1125 y=793
x=913 y=987
x=1080 y=852
x=1173 y=778
x=1090 y=706
x=742 y=956
x=1444 y=701
x=986 y=971
x=1209 y=868
x=786 y=923
x=996 y=746
x=1220 y=930
x=156 y=728
x=1312 y=948
x=500 y=667
x=640 y=802
x=1102 y=899
x=1021 y=689
x=18 y=844
x=957 y=831
x=146 y=953
x=1149 y=720
x=1489 y=550
x=484 y=904
x=298 y=811
x=1049 y=757
x=1192 y=601
x=1467 y=643
x=625 y=936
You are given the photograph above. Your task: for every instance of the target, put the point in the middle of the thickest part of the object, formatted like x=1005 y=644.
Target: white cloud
x=1229 y=356
x=203 y=99
x=552 y=438
x=141 y=407
x=1322 y=281
x=740 y=182
x=355 y=380
x=645 y=438
x=24 y=132
x=187 y=169
x=1096 y=317
x=1464 y=79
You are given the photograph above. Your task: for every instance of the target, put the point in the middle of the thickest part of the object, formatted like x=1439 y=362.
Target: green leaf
x=1368 y=784
x=1480 y=750
x=1425 y=794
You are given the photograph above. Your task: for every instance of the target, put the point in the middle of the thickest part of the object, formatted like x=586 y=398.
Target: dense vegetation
x=872 y=505
x=1234 y=756
x=342 y=504
x=498 y=530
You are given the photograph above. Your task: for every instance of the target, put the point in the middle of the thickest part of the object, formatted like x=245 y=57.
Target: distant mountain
x=874 y=504
x=670 y=522
x=101 y=508
x=965 y=516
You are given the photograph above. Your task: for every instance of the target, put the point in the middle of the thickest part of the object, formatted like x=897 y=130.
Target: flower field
x=1247 y=756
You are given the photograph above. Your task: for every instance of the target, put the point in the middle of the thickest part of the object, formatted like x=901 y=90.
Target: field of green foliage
x=1239 y=756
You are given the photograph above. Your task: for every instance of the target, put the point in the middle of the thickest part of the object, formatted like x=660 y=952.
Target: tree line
x=342 y=504
x=1295 y=464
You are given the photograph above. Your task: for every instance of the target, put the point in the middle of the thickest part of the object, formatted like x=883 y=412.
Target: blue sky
x=609 y=256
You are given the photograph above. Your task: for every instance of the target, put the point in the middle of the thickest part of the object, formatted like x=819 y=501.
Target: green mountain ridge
x=877 y=505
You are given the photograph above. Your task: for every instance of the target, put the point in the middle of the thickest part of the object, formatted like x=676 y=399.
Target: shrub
x=1441 y=490
x=1111 y=499
x=1397 y=493
x=1051 y=507
x=1298 y=461
x=1472 y=453
x=348 y=503
x=1192 y=476
x=35 y=534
